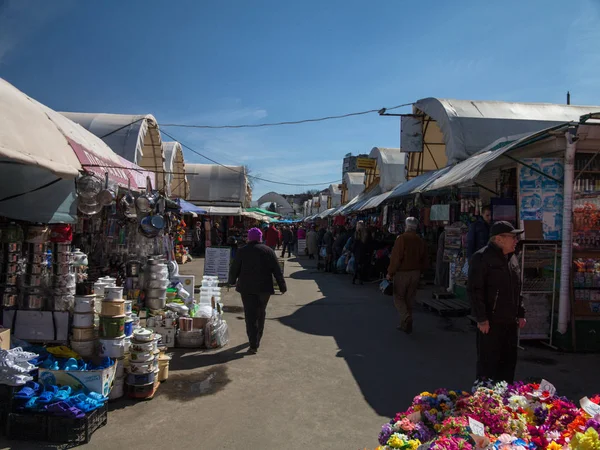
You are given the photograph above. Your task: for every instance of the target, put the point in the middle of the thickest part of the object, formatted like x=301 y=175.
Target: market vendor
x=494 y=287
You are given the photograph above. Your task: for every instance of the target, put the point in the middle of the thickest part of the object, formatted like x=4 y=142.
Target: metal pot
x=88 y=186
x=36 y=269
x=12 y=257
x=156 y=303
x=63 y=302
x=133 y=268
x=158 y=268
x=9 y=299
x=89 y=209
x=32 y=302
x=10 y=278
x=62 y=248
x=158 y=284
x=13 y=247
x=107 y=196
x=65 y=281
x=62 y=269
x=37 y=234
x=127 y=203
x=63 y=258
x=34 y=280
x=156 y=293
x=37 y=258
x=11 y=268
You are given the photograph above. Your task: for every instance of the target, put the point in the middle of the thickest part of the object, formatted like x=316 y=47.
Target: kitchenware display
x=89 y=209
x=158 y=268
x=127 y=203
x=145 y=202
x=84 y=348
x=32 y=302
x=34 y=280
x=83 y=334
x=67 y=281
x=113 y=308
x=62 y=269
x=190 y=339
x=84 y=303
x=128 y=306
x=158 y=285
x=37 y=248
x=113 y=348
x=128 y=327
x=109 y=281
x=62 y=247
x=12 y=257
x=84 y=320
x=36 y=269
x=113 y=293
x=106 y=196
x=9 y=298
x=13 y=247
x=63 y=302
x=88 y=187
x=118 y=389
x=112 y=327
x=38 y=258
x=63 y=258
x=37 y=234
x=142 y=347
x=143 y=335
x=144 y=391
x=11 y=233
x=141 y=356
x=163 y=367
x=9 y=278
x=61 y=233
x=127 y=341
x=156 y=304
x=79 y=258
x=185 y=324
x=11 y=268
x=120 y=367
x=140 y=378
x=141 y=367
x=132 y=268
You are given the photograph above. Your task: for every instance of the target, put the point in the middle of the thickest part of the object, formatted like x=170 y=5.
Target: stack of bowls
x=64 y=277
x=141 y=375
x=9 y=273
x=83 y=331
x=157 y=281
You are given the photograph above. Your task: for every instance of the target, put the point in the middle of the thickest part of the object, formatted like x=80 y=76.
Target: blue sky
x=235 y=62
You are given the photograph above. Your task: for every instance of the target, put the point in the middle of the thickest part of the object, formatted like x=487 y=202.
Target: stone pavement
x=330 y=371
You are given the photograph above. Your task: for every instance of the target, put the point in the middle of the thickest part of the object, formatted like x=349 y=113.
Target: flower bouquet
x=496 y=417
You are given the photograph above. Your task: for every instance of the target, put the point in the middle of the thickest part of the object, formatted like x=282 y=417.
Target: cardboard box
x=5 y=338
x=93 y=380
x=38 y=326
x=168 y=335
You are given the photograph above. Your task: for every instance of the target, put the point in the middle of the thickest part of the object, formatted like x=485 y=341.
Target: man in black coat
x=494 y=287
x=252 y=272
x=287 y=240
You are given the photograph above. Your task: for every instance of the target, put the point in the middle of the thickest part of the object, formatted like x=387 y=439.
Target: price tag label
x=546 y=386
x=477 y=427
x=589 y=406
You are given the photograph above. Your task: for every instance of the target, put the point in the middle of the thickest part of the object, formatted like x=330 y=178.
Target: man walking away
x=272 y=237
x=479 y=232
x=494 y=288
x=252 y=272
x=287 y=238
x=409 y=258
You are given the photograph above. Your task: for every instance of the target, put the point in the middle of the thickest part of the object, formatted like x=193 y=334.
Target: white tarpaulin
x=175 y=178
x=468 y=126
x=216 y=183
x=355 y=183
x=391 y=163
x=222 y=210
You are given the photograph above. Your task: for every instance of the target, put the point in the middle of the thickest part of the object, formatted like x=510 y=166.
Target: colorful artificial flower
x=586 y=441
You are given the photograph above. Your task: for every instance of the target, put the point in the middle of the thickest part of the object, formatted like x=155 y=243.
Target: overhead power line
x=239 y=172
x=293 y=122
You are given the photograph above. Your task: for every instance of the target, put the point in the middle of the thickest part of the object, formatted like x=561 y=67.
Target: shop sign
x=365 y=163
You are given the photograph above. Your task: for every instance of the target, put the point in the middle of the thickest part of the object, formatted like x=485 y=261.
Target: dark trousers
x=255 y=310
x=287 y=246
x=497 y=352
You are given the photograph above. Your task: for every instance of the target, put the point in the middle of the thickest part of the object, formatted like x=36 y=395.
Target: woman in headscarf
x=312 y=243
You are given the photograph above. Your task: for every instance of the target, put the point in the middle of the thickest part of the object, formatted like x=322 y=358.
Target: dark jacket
x=253 y=269
x=363 y=251
x=287 y=237
x=494 y=286
x=477 y=237
x=339 y=242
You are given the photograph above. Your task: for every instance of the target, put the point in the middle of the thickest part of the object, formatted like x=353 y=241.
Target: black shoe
x=252 y=351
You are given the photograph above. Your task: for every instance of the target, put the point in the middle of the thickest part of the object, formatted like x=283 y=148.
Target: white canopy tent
x=354 y=182
x=221 y=190
x=134 y=137
x=391 y=164
x=175 y=177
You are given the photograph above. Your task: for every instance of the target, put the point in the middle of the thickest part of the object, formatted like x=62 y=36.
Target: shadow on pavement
x=188 y=359
x=391 y=367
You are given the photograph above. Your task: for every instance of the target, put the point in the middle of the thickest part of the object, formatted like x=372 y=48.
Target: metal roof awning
x=222 y=210
x=327 y=213
x=465 y=172
x=416 y=184
x=375 y=201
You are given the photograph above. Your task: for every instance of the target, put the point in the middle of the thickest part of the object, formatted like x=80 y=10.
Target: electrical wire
x=293 y=122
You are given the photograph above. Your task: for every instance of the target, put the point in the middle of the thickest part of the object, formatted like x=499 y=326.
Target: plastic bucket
x=113 y=307
x=113 y=348
x=112 y=327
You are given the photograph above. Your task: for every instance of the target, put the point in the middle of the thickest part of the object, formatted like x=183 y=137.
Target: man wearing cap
x=252 y=272
x=494 y=288
x=408 y=259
